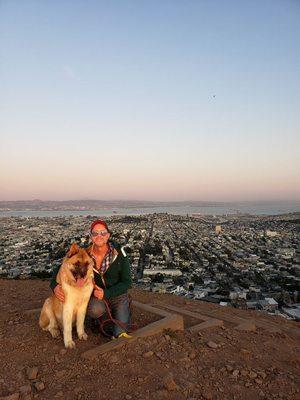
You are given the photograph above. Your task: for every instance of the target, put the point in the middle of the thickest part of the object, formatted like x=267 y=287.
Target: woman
x=112 y=279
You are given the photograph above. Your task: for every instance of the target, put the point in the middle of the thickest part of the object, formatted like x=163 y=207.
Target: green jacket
x=117 y=278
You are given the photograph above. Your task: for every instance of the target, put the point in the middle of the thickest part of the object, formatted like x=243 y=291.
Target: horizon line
x=157 y=201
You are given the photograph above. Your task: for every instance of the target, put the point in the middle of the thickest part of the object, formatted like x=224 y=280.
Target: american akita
x=76 y=279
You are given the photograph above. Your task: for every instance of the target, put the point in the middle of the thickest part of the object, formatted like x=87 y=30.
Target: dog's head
x=77 y=267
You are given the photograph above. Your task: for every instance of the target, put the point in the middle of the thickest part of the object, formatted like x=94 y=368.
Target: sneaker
x=124 y=335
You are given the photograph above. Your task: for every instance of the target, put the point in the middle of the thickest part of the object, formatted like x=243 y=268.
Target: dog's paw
x=69 y=344
x=55 y=333
x=83 y=336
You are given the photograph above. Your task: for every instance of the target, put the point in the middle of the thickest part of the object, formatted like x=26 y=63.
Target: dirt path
x=219 y=363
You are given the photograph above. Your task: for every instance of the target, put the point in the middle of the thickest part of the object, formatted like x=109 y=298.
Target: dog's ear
x=73 y=250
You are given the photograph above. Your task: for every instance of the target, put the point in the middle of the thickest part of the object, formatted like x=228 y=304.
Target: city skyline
x=165 y=101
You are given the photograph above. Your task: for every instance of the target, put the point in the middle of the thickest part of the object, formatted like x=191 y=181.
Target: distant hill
x=49 y=205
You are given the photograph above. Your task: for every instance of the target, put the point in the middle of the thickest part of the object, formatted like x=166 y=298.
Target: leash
x=128 y=328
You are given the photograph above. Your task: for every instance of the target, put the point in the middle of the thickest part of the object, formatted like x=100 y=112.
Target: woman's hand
x=59 y=293
x=98 y=292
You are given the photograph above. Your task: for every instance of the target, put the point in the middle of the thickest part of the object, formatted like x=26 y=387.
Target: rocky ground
x=219 y=363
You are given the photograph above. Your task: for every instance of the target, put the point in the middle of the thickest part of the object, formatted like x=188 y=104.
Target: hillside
x=260 y=362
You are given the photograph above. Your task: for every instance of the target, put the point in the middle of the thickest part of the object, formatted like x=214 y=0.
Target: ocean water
x=242 y=208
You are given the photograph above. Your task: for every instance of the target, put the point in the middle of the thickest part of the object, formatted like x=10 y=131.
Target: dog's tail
x=44 y=318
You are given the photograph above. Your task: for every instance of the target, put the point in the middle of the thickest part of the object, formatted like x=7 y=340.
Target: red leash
x=131 y=327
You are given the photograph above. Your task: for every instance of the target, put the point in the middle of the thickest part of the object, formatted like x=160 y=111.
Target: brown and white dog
x=76 y=278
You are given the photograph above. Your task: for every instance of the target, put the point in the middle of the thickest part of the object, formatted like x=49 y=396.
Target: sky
x=150 y=100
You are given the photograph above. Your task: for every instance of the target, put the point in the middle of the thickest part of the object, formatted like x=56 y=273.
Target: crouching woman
x=112 y=280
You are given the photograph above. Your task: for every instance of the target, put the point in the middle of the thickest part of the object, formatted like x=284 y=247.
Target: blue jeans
x=119 y=307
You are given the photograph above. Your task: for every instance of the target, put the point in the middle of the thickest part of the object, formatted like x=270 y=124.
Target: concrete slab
x=169 y=321
x=208 y=321
x=248 y=326
x=211 y=323
x=235 y=319
x=184 y=312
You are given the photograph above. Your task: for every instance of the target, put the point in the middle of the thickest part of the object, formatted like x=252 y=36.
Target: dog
x=77 y=280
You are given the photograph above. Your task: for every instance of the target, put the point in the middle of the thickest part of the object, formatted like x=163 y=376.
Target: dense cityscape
x=239 y=260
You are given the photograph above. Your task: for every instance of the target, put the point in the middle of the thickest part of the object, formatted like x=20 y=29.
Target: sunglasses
x=99 y=233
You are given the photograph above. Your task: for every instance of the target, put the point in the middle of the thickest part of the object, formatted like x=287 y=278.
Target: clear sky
x=150 y=100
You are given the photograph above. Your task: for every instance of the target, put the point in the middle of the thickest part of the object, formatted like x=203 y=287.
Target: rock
x=62 y=351
x=59 y=394
x=32 y=372
x=19 y=375
x=236 y=388
x=244 y=372
x=245 y=352
x=128 y=397
x=148 y=354
x=39 y=386
x=229 y=368
x=184 y=358
x=60 y=373
x=252 y=375
x=14 y=396
x=207 y=396
x=246 y=327
x=56 y=358
x=262 y=374
x=114 y=359
x=25 y=389
x=169 y=383
x=258 y=381
x=192 y=355
x=212 y=345
x=162 y=394
x=236 y=373
x=190 y=385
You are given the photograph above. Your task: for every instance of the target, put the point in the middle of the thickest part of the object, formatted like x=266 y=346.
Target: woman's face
x=99 y=235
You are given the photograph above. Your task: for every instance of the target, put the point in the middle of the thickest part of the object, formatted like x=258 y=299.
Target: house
x=268 y=304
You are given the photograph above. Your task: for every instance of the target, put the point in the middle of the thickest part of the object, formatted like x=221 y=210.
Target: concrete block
x=246 y=327
x=211 y=323
x=184 y=312
x=169 y=321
